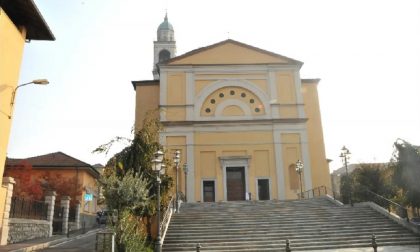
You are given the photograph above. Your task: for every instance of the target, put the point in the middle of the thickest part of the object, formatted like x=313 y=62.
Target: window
x=164 y=55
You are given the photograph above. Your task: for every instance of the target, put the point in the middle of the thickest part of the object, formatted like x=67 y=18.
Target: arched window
x=164 y=55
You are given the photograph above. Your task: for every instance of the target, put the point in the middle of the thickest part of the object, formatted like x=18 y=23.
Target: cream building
x=241 y=116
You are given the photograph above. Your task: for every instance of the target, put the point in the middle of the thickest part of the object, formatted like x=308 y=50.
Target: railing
x=288 y=247
x=28 y=209
x=390 y=205
x=72 y=214
x=167 y=216
x=318 y=192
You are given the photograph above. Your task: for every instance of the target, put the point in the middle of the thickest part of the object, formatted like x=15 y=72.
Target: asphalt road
x=84 y=244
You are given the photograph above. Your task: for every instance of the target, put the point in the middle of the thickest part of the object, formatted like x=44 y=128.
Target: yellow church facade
x=242 y=117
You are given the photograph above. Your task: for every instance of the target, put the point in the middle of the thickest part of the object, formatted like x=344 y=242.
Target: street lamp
x=157 y=168
x=299 y=170
x=177 y=159
x=36 y=82
x=185 y=173
x=345 y=156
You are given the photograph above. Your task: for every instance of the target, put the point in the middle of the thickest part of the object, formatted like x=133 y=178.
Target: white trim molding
x=234 y=161
x=270 y=196
x=233 y=102
x=208 y=90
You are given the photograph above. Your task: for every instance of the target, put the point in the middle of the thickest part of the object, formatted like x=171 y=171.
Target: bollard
x=288 y=246
x=198 y=247
x=84 y=227
x=68 y=231
x=374 y=245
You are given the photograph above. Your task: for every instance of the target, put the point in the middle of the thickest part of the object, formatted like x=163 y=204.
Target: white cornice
x=225 y=68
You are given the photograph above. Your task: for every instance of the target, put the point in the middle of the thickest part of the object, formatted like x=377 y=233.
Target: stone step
x=264 y=226
x=307 y=234
x=294 y=243
x=274 y=225
x=280 y=246
x=245 y=221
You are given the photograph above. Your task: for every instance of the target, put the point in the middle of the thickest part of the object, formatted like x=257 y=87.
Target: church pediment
x=230 y=52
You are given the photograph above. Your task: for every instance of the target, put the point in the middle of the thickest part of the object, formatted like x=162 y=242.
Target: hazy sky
x=367 y=54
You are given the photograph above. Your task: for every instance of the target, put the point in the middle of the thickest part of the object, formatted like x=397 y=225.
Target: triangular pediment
x=230 y=52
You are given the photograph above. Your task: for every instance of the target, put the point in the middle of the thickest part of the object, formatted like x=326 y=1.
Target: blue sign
x=88 y=197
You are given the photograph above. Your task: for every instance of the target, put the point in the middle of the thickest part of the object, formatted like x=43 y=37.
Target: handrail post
x=288 y=246
x=198 y=247
x=374 y=244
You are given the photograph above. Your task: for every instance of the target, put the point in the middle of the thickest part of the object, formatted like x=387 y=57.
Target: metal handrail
x=315 y=192
x=388 y=204
x=164 y=222
x=318 y=192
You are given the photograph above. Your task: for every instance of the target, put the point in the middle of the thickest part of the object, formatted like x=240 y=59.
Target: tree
x=346 y=188
x=129 y=196
x=372 y=177
x=134 y=161
x=33 y=184
x=406 y=165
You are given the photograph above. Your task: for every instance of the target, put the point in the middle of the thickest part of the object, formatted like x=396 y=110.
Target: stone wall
x=73 y=226
x=88 y=219
x=25 y=229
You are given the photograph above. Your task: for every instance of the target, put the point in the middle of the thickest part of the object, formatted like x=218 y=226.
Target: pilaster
x=65 y=203
x=50 y=200
x=77 y=219
x=8 y=183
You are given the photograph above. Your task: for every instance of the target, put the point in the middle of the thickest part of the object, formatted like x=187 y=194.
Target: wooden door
x=235 y=183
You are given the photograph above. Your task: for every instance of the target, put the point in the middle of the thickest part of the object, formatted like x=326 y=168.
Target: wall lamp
x=36 y=82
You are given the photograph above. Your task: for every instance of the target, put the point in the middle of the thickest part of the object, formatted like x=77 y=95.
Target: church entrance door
x=235 y=183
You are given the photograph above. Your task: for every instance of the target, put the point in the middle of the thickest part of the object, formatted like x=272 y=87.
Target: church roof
x=235 y=43
x=165 y=25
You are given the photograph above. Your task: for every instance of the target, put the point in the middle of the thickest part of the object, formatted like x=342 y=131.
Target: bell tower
x=165 y=46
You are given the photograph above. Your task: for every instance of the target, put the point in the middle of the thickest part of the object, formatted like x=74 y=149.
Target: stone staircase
x=312 y=224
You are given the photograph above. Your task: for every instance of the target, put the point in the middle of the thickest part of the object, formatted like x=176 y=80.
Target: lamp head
x=177 y=157
x=345 y=153
x=299 y=166
x=41 y=82
x=162 y=169
x=156 y=165
x=158 y=155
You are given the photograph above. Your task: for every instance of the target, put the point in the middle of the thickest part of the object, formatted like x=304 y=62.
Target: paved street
x=83 y=244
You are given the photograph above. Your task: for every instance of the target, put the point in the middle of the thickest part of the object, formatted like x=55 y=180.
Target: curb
x=44 y=245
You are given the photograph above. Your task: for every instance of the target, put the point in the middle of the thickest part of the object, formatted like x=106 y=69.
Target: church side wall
x=147 y=99
x=320 y=174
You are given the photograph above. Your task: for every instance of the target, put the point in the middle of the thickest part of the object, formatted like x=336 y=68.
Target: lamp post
x=345 y=156
x=177 y=159
x=299 y=170
x=185 y=173
x=36 y=82
x=157 y=168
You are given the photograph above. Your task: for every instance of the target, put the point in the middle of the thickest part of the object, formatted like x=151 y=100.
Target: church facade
x=241 y=116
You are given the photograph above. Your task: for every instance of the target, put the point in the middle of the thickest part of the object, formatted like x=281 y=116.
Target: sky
x=366 y=53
